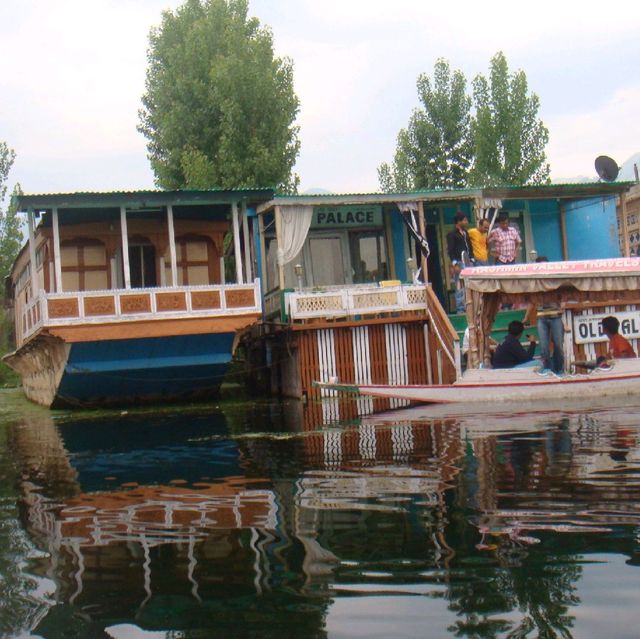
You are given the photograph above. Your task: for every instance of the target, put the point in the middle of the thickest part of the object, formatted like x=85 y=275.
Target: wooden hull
x=121 y=372
x=486 y=386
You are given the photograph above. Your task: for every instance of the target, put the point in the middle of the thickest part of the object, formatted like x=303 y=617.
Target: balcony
x=123 y=305
x=347 y=302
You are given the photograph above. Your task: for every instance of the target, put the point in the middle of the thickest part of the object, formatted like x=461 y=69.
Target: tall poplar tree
x=508 y=136
x=219 y=107
x=434 y=151
x=455 y=141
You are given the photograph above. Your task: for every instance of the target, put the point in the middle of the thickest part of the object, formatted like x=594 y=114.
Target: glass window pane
x=369 y=257
x=198 y=275
x=95 y=280
x=95 y=255
x=326 y=261
x=69 y=256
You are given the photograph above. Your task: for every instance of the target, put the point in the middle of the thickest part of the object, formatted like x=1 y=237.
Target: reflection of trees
x=541 y=587
x=508 y=474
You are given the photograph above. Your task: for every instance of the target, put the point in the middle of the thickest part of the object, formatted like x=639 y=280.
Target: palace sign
x=587 y=329
x=341 y=216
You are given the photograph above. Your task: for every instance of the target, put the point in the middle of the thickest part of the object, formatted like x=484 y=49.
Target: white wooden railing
x=354 y=301
x=121 y=305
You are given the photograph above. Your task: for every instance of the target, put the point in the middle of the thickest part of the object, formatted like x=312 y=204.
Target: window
x=84 y=265
x=368 y=257
x=195 y=259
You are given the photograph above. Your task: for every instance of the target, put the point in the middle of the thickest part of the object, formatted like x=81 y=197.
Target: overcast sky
x=72 y=73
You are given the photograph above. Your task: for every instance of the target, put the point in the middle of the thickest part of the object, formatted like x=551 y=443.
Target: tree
x=435 y=150
x=509 y=139
x=10 y=243
x=10 y=232
x=219 y=108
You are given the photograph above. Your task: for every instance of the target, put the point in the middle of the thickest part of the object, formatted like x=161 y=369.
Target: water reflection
x=256 y=522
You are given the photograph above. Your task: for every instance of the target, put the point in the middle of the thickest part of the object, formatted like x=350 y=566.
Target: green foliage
x=219 y=108
x=509 y=139
x=434 y=151
x=10 y=243
x=447 y=146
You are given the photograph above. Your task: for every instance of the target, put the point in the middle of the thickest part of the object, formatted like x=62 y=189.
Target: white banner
x=587 y=329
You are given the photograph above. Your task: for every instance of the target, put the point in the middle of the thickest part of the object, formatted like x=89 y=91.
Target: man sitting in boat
x=510 y=353
x=619 y=347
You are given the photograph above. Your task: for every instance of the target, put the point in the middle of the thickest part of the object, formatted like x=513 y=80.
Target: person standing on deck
x=548 y=317
x=478 y=237
x=458 y=244
x=504 y=240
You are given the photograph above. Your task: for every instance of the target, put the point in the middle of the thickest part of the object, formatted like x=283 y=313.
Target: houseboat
x=344 y=280
x=121 y=298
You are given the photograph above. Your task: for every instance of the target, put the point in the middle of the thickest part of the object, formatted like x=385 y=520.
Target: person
x=459 y=246
x=478 y=237
x=510 y=353
x=619 y=347
x=504 y=240
x=548 y=317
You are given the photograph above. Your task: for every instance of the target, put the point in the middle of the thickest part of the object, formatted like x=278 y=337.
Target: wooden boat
x=120 y=298
x=587 y=291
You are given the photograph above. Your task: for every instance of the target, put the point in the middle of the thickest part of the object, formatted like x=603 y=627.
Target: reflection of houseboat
x=121 y=297
x=340 y=296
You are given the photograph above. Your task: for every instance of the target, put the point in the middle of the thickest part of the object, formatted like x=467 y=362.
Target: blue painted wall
x=545 y=224
x=592 y=229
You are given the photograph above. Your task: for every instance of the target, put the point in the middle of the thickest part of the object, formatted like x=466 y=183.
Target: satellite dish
x=606 y=168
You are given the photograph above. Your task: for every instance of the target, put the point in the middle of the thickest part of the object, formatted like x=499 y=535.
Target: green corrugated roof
x=141 y=198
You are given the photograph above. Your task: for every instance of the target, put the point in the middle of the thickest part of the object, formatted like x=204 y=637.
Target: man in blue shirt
x=511 y=354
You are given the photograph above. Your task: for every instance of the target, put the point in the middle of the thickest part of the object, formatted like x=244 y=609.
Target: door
x=142 y=264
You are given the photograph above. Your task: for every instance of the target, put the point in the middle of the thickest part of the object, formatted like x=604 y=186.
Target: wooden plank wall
x=392 y=352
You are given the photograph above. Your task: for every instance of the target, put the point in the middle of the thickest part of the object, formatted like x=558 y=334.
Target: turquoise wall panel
x=592 y=229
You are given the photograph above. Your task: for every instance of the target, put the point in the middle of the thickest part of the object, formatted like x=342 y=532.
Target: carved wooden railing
x=120 y=305
x=354 y=301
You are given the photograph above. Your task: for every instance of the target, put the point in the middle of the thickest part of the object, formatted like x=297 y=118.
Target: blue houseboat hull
x=123 y=372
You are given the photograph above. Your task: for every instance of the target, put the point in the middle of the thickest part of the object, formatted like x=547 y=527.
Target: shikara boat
x=587 y=291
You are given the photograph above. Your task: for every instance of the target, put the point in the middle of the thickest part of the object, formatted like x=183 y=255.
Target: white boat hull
x=512 y=385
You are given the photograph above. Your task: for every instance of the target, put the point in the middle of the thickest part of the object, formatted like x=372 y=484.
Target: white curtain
x=296 y=221
x=488 y=210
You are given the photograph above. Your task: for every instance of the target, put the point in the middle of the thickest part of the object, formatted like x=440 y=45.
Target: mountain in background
x=626 y=173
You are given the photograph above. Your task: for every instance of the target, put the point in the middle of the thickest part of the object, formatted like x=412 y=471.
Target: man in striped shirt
x=504 y=240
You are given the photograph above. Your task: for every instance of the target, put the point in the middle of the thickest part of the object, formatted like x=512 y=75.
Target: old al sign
x=588 y=328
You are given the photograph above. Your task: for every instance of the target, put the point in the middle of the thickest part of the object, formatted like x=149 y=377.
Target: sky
x=72 y=73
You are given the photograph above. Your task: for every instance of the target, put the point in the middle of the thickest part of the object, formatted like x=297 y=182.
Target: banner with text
x=349 y=216
x=587 y=329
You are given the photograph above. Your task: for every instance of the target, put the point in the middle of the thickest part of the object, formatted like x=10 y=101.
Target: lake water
x=264 y=519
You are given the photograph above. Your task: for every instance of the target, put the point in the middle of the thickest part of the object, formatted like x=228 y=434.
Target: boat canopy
x=568 y=283
x=615 y=274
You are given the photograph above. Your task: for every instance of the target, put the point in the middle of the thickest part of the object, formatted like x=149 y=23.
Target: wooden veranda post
x=423 y=232
x=125 y=247
x=172 y=246
x=57 y=262
x=236 y=242
x=624 y=230
x=278 y=219
x=32 y=253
